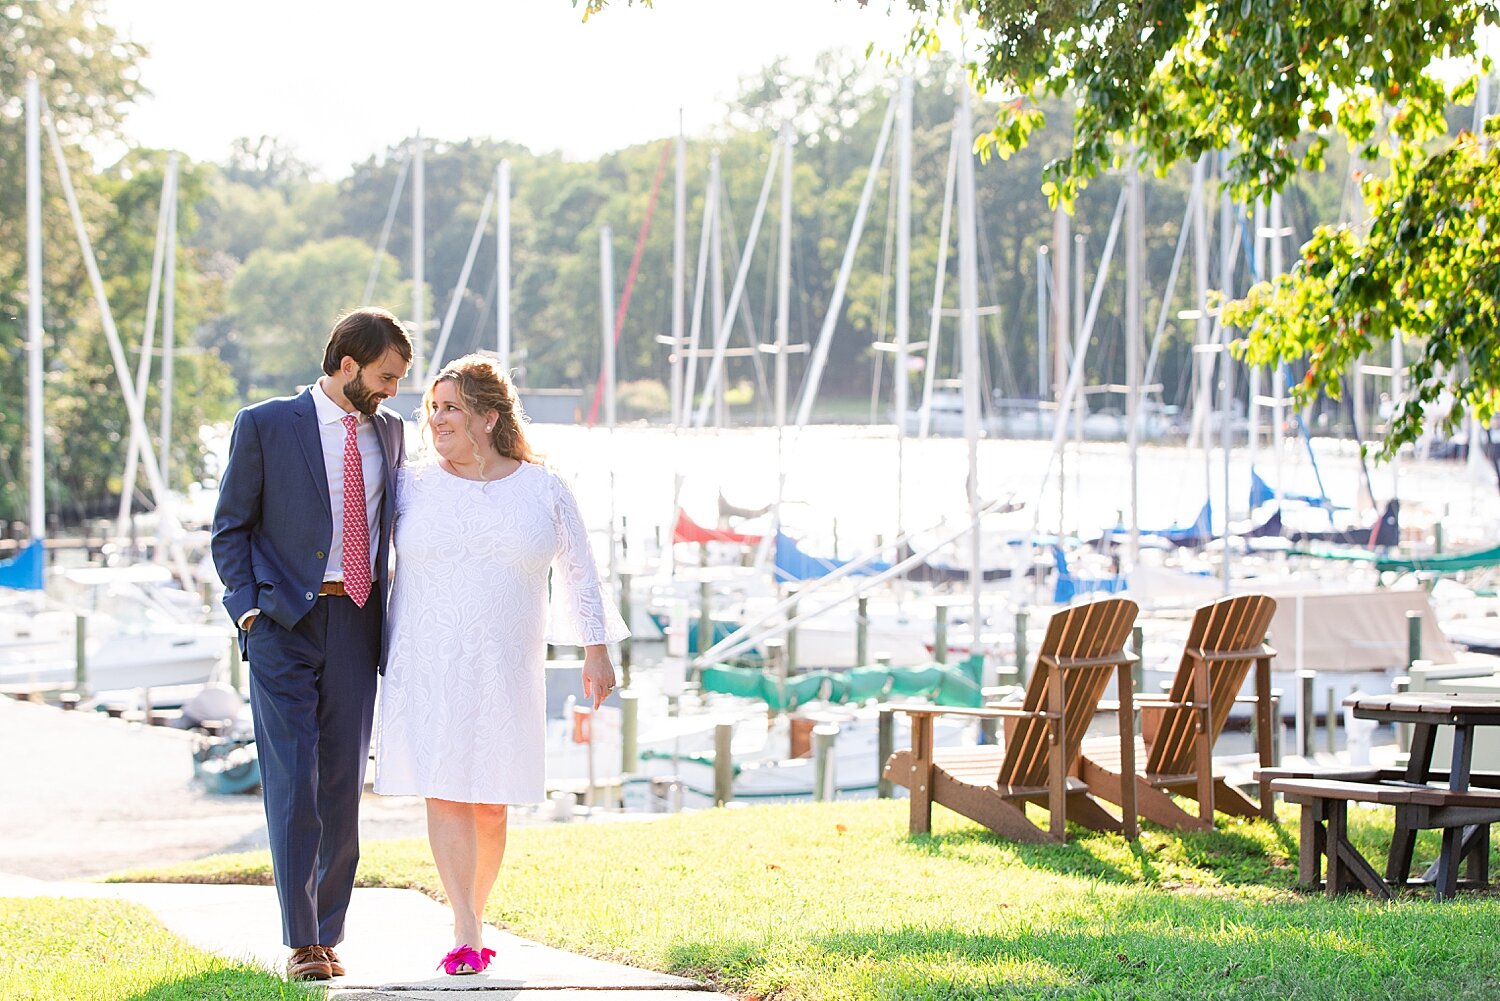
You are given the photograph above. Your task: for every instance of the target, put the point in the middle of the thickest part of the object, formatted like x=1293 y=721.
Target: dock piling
x=625 y=643
x=862 y=632
x=940 y=633
x=825 y=784
x=885 y=746
x=723 y=763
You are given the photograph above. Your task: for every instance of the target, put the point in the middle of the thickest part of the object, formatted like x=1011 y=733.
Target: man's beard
x=365 y=400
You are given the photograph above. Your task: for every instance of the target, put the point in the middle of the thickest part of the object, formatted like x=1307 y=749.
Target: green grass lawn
x=107 y=950
x=837 y=901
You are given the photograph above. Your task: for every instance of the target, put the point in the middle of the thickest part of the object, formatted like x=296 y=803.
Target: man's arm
x=236 y=515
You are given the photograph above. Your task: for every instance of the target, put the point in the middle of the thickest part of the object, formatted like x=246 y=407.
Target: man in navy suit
x=301 y=539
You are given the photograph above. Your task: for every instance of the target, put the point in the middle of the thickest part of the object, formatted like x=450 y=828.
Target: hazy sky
x=342 y=80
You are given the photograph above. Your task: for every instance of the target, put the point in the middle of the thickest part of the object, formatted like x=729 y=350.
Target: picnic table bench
x=1325 y=833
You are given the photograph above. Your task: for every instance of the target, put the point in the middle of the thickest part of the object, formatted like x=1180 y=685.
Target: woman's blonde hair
x=481 y=386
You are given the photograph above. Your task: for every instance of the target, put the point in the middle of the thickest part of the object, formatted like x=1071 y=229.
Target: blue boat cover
x=793 y=564
x=23 y=571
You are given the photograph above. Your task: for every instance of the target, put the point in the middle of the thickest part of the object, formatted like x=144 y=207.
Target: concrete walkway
x=395 y=939
x=85 y=795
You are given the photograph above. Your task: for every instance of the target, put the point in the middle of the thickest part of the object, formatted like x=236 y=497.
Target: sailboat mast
x=1202 y=358
x=606 y=321
x=418 y=256
x=679 y=271
x=903 y=291
x=968 y=329
x=1133 y=338
x=34 y=302
x=784 y=277
x=502 y=265
x=1226 y=370
x=168 y=330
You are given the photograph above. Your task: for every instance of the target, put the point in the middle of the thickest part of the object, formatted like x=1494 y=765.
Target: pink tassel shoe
x=463 y=960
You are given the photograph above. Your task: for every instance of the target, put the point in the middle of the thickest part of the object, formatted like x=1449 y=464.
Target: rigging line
x=1170 y=289
x=385 y=229
x=635 y=267
x=751 y=333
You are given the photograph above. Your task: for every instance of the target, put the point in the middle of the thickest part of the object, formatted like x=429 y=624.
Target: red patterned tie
x=356 y=526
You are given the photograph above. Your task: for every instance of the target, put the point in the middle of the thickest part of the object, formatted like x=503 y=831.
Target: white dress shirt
x=372 y=461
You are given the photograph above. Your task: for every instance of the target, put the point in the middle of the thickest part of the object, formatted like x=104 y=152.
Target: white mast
x=34 y=304
x=1042 y=254
x=1278 y=378
x=968 y=329
x=903 y=292
x=418 y=256
x=607 y=321
x=713 y=383
x=1062 y=321
x=502 y=265
x=710 y=212
x=1226 y=369
x=168 y=336
x=679 y=272
x=1133 y=337
x=784 y=278
x=1203 y=357
x=783 y=311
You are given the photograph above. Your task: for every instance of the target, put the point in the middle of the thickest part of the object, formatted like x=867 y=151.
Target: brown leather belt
x=332 y=588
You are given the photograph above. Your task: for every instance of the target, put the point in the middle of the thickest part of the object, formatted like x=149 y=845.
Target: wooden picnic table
x=1425 y=712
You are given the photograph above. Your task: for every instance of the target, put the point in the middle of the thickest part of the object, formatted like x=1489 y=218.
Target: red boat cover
x=687 y=530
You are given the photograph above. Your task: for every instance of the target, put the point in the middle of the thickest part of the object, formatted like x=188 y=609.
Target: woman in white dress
x=463 y=702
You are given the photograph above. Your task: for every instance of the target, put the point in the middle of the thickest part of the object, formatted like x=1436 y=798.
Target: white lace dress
x=463 y=701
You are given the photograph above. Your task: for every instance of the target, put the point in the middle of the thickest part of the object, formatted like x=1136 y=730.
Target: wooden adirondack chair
x=1043 y=737
x=1179 y=730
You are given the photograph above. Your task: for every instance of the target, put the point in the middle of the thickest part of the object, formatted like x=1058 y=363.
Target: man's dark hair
x=364 y=335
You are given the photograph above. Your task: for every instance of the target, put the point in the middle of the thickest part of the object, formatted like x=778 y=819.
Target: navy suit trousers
x=312 y=691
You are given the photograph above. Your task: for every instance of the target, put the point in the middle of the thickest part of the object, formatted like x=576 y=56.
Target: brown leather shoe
x=334 y=965
x=310 y=962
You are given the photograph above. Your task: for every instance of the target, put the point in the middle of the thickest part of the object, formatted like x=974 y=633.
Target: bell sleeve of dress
x=582 y=612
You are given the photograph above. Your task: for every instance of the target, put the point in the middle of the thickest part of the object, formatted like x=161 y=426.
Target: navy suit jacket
x=274 y=521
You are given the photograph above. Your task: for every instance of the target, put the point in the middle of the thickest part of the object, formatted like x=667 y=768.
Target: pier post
x=940 y=633
x=625 y=643
x=776 y=661
x=791 y=634
x=1333 y=720
x=885 y=746
x=1021 y=643
x=1305 y=714
x=862 y=632
x=705 y=620
x=1137 y=647
x=236 y=666
x=723 y=763
x=825 y=784
x=1413 y=638
x=80 y=654
x=1277 y=729
x=630 y=704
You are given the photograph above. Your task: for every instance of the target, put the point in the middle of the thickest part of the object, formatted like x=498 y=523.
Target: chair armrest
x=985 y=712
